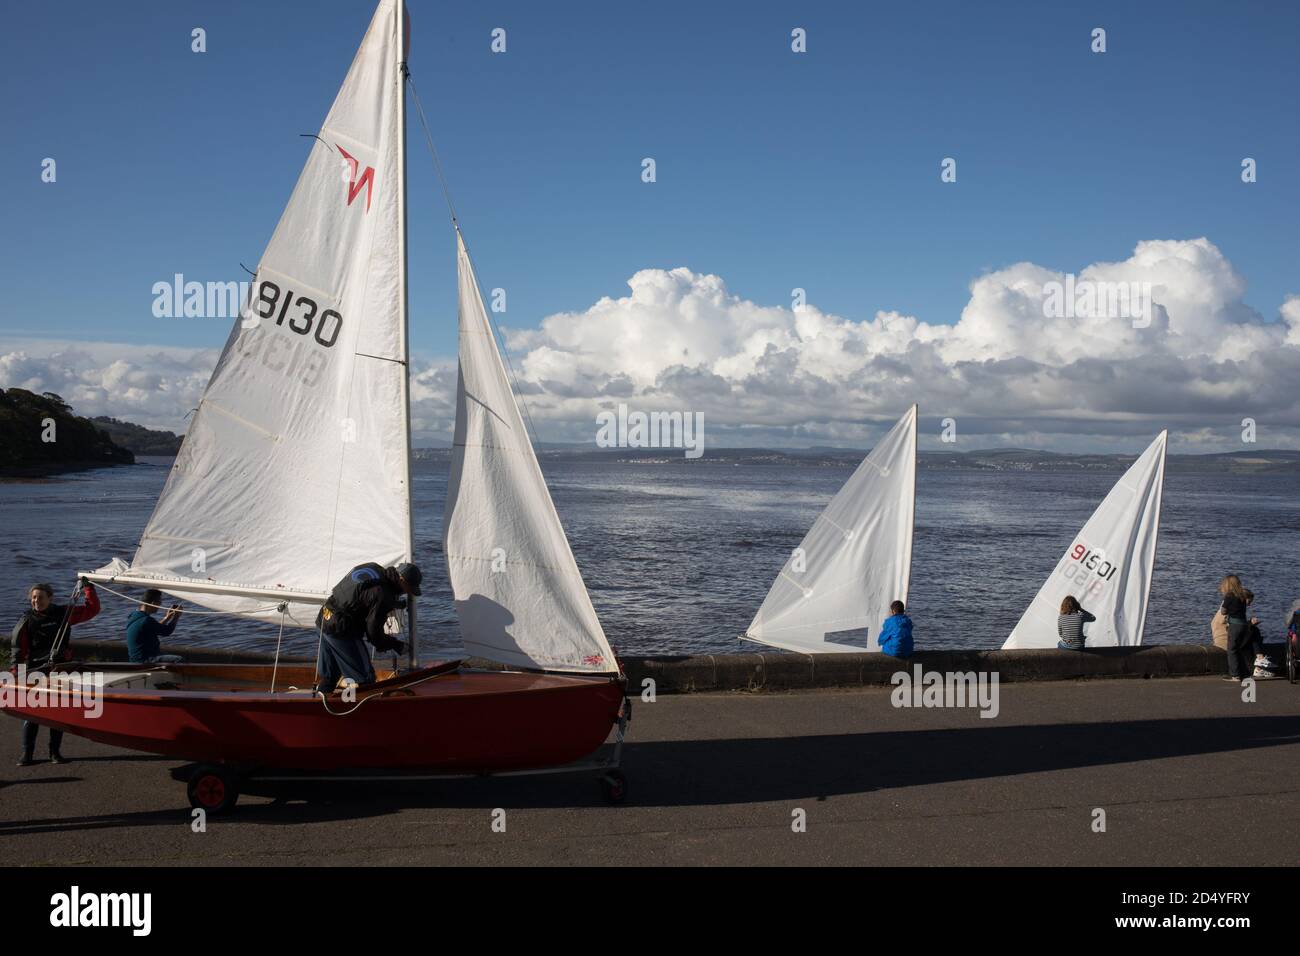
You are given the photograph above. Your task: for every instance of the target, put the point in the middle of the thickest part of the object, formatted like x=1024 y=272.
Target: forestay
x=294 y=468
x=1108 y=566
x=518 y=593
x=854 y=561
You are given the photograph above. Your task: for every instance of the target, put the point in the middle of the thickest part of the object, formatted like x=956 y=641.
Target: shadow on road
x=721 y=772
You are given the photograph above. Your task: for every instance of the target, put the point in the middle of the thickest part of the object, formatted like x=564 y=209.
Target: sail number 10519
x=299 y=314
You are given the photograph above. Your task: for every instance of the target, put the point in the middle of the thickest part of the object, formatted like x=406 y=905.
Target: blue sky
x=775 y=170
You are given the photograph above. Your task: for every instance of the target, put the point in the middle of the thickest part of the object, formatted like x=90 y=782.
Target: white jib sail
x=294 y=468
x=518 y=592
x=1108 y=565
x=855 y=560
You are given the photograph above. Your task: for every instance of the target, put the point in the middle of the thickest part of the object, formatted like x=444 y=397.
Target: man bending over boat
x=43 y=637
x=356 y=610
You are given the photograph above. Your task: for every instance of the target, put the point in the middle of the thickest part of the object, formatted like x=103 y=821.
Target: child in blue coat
x=896 y=633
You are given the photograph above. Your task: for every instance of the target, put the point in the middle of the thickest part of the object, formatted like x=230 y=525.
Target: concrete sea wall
x=777 y=671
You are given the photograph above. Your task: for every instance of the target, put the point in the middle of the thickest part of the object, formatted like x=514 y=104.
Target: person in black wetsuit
x=355 y=612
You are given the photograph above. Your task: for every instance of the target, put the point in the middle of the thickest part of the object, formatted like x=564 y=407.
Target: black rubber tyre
x=613 y=786
x=213 y=789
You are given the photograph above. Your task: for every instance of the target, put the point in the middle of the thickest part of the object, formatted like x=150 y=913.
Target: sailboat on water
x=1108 y=565
x=296 y=468
x=855 y=559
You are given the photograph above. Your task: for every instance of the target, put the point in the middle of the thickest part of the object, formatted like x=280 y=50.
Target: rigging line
x=446 y=193
x=380 y=358
x=65 y=627
x=324 y=698
x=275 y=669
x=428 y=136
x=510 y=369
x=320 y=637
x=505 y=353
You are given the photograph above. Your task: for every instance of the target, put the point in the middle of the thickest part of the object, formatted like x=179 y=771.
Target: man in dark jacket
x=357 y=609
x=43 y=636
x=144 y=635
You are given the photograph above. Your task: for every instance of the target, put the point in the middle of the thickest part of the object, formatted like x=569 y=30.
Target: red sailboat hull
x=439 y=719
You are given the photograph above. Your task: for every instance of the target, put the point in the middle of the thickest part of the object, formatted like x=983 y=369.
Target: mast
x=403 y=307
x=1155 y=532
x=907 y=583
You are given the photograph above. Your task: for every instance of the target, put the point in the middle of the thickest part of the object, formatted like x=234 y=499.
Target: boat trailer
x=215 y=787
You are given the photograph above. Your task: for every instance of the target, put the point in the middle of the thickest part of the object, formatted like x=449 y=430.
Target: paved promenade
x=1186 y=773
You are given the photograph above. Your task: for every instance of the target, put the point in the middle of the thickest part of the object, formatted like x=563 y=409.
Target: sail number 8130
x=271 y=297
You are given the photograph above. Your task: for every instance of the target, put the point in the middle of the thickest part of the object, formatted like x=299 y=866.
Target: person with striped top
x=1069 y=626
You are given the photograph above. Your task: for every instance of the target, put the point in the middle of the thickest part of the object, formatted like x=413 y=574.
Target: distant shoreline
x=51 y=469
x=1263 y=462
x=1267 y=462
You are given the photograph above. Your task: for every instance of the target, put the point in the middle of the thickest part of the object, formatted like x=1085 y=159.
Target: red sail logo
x=354 y=184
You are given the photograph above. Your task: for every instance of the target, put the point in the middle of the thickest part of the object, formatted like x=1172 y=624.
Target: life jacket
x=42 y=631
x=344 y=611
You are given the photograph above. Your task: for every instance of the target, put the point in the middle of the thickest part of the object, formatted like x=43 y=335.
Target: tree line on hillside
x=40 y=434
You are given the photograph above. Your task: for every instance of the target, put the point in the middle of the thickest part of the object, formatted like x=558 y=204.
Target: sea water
x=678 y=556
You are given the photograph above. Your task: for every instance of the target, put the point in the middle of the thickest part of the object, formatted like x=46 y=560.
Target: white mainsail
x=1109 y=564
x=295 y=466
x=856 y=558
x=518 y=592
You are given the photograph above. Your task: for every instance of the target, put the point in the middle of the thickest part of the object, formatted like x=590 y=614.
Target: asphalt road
x=1185 y=771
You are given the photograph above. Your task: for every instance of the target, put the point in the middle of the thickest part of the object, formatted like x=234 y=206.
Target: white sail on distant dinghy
x=1109 y=564
x=855 y=559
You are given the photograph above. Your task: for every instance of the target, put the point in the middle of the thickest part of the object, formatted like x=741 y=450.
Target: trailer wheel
x=213 y=789
x=613 y=786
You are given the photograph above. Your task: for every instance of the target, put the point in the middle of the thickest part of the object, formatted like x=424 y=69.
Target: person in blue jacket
x=896 y=633
x=144 y=634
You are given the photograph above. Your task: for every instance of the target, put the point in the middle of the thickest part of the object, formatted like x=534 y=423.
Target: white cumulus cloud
x=1199 y=358
x=151 y=386
x=771 y=375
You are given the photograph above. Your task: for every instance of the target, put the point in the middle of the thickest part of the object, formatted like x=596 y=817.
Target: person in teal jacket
x=896 y=633
x=144 y=634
